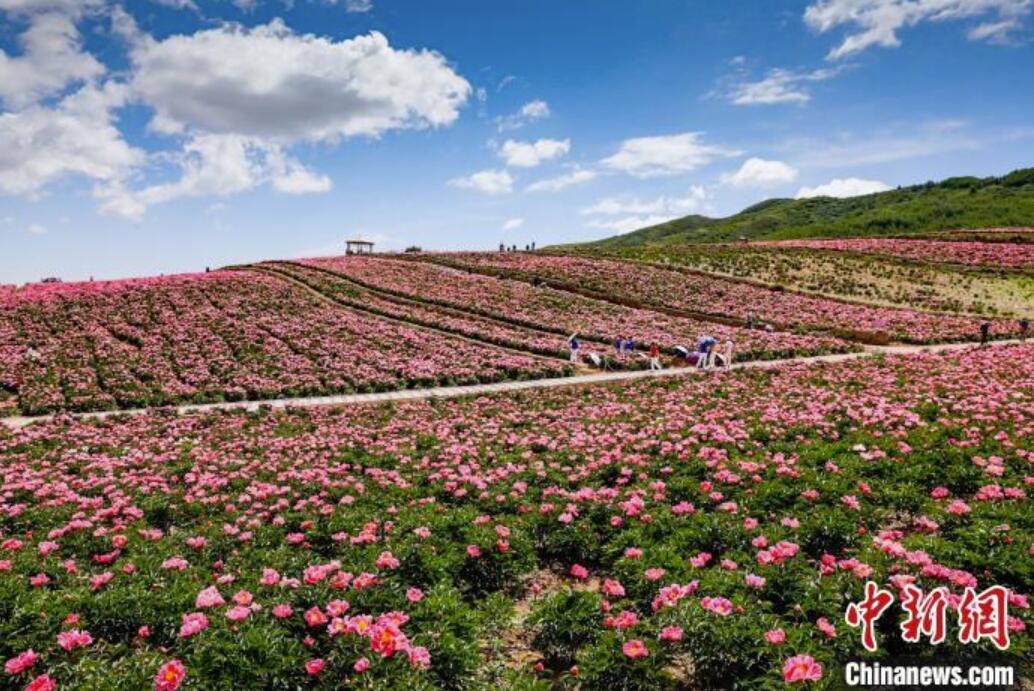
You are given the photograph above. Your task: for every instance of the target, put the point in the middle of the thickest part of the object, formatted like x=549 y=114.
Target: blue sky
x=160 y=136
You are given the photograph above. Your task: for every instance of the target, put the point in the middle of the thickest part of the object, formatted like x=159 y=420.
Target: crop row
x=223 y=335
x=424 y=314
x=996 y=255
x=546 y=308
x=667 y=534
x=697 y=293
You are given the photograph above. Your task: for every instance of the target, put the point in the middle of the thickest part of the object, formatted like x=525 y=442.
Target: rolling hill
x=959 y=202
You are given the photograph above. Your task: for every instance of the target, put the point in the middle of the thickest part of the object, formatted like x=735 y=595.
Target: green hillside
x=962 y=202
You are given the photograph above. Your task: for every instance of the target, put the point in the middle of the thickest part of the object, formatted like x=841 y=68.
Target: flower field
x=685 y=533
x=868 y=278
x=655 y=286
x=560 y=311
x=218 y=336
x=996 y=255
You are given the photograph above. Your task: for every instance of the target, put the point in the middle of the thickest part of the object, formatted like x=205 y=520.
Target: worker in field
x=655 y=356
x=629 y=346
x=1024 y=328
x=985 y=333
x=574 y=345
x=619 y=345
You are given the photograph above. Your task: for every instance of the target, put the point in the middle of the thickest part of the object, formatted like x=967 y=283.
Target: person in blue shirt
x=629 y=346
x=619 y=344
x=575 y=345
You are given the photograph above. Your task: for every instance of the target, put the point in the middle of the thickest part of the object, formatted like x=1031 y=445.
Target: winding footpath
x=502 y=387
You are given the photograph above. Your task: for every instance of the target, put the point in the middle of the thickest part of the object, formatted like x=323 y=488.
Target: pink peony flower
x=671 y=633
x=74 y=638
x=209 y=597
x=192 y=624
x=43 y=682
x=21 y=662
x=170 y=676
x=801 y=668
x=635 y=649
x=775 y=636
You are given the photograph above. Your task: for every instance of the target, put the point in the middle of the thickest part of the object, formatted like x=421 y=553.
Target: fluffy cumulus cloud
x=269 y=82
x=843 y=187
x=529 y=113
x=530 y=154
x=513 y=223
x=575 y=176
x=78 y=136
x=758 y=172
x=233 y=99
x=51 y=58
x=218 y=165
x=665 y=155
x=623 y=215
x=877 y=22
x=486 y=181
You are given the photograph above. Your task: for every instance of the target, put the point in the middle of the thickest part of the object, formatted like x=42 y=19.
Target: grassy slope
x=953 y=203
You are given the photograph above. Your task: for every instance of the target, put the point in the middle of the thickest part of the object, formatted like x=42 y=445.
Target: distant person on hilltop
x=1024 y=328
x=985 y=333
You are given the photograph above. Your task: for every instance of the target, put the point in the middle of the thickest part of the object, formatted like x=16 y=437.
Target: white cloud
x=236 y=98
x=877 y=22
x=37 y=229
x=486 y=181
x=77 y=136
x=843 y=187
x=513 y=223
x=757 y=172
x=529 y=112
x=694 y=200
x=71 y=7
x=628 y=223
x=51 y=59
x=182 y=4
x=530 y=154
x=778 y=86
x=665 y=155
x=577 y=176
x=635 y=213
x=270 y=82
x=217 y=165
x=358 y=5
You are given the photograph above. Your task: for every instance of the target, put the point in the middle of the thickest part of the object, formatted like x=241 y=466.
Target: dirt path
x=502 y=387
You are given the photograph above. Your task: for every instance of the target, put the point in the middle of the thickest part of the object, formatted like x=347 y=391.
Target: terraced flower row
x=560 y=311
x=224 y=335
x=425 y=314
x=996 y=255
x=676 y=534
x=649 y=285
